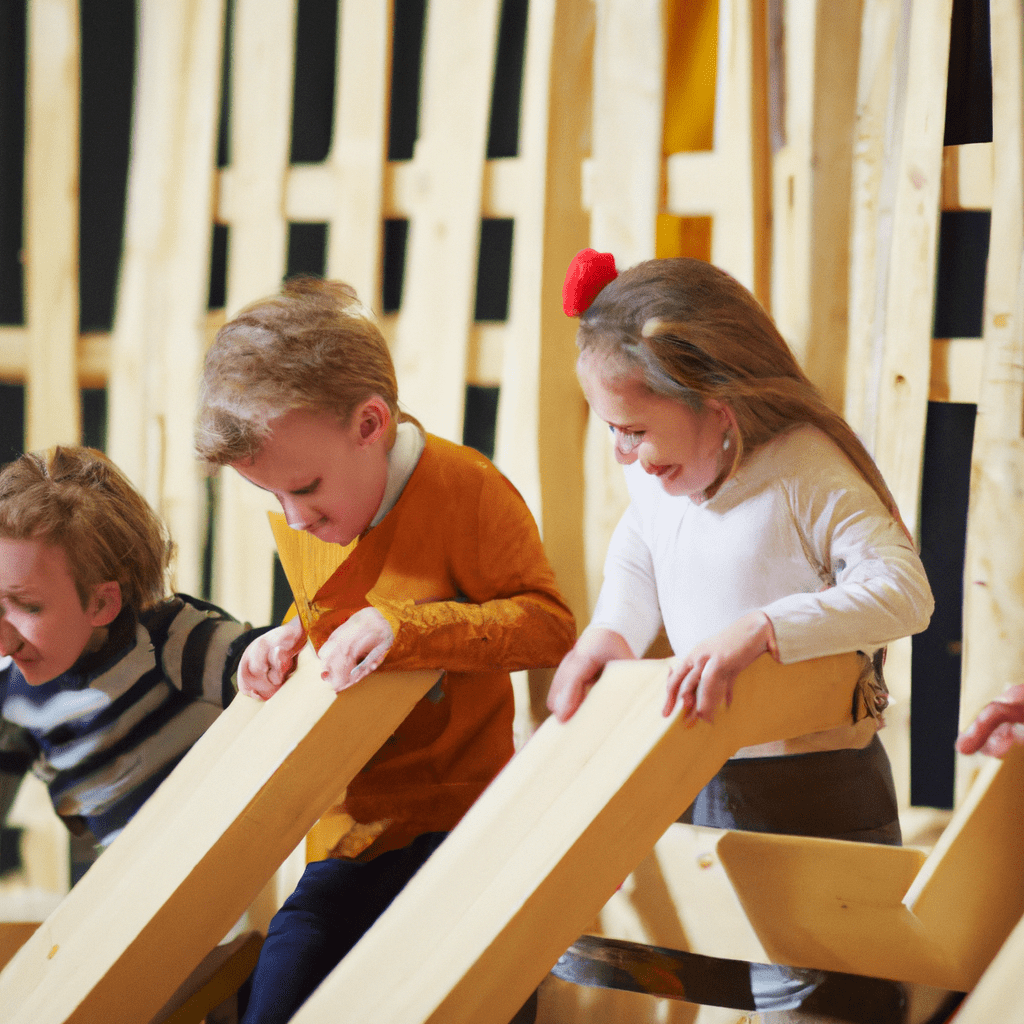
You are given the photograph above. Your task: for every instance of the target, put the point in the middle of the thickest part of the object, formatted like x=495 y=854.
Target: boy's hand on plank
x=356 y=648
x=270 y=659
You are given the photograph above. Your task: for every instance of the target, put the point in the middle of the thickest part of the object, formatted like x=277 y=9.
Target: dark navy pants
x=334 y=904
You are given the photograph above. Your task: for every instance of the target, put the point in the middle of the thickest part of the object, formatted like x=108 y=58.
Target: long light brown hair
x=695 y=334
x=313 y=347
x=76 y=499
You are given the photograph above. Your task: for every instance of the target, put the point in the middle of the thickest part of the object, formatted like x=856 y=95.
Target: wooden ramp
x=537 y=856
x=522 y=875
x=181 y=874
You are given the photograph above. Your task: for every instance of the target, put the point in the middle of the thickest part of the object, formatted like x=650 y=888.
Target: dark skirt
x=835 y=794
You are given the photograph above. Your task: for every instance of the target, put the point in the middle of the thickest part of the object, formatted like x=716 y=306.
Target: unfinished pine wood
x=252 y=202
x=359 y=147
x=881 y=51
x=910 y=280
x=726 y=183
x=159 y=330
x=998 y=996
x=541 y=851
x=52 y=400
x=432 y=332
x=622 y=183
x=540 y=398
x=994 y=566
x=880 y=911
x=196 y=871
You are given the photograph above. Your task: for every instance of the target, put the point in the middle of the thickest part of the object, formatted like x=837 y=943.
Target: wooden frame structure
x=591 y=170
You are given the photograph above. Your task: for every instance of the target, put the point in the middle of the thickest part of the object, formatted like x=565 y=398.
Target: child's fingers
x=370 y=662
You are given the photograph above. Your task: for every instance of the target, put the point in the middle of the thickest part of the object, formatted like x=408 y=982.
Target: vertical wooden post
x=159 y=331
x=53 y=401
x=994 y=562
x=432 y=337
x=254 y=207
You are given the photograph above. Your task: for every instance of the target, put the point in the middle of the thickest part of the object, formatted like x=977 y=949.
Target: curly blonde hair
x=76 y=499
x=313 y=347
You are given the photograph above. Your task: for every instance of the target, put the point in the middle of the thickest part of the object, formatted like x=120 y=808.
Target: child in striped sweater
x=105 y=681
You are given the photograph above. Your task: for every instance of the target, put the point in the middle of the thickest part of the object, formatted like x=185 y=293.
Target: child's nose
x=296 y=514
x=10 y=638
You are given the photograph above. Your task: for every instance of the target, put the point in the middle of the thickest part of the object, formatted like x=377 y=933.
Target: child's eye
x=627 y=440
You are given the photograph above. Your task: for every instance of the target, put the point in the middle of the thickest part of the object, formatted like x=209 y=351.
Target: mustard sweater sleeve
x=509 y=614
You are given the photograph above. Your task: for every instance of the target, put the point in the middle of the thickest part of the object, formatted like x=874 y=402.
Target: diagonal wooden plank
x=527 y=869
x=196 y=871
x=159 y=331
x=51 y=224
x=433 y=327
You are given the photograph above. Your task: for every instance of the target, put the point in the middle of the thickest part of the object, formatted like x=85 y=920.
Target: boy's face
x=329 y=478
x=43 y=625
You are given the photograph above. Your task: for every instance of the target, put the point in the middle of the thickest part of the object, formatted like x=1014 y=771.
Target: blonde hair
x=76 y=499
x=313 y=347
x=695 y=334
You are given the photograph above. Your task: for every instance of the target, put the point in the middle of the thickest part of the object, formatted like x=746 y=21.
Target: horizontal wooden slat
x=956 y=369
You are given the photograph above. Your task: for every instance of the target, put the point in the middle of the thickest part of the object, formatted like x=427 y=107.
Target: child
x=757 y=522
x=105 y=683
x=443 y=569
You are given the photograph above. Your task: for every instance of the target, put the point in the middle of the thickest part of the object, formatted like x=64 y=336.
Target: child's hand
x=270 y=659
x=998 y=727
x=581 y=667
x=703 y=679
x=356 y=648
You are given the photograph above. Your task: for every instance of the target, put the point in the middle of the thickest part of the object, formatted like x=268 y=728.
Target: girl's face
x=329 y=478
x=43 y=626
x=682 y=448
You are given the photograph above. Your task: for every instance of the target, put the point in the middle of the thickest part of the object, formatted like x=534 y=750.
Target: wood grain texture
x=533 y=861
x=192 y=860
x=52 y=400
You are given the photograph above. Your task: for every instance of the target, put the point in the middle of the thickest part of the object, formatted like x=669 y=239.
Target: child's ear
x=373 y=417
x=105 y=603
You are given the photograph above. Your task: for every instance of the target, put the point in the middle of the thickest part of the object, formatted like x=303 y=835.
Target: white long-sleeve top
x=797 y=533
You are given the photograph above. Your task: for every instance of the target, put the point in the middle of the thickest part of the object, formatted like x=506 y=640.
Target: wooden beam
x=531 y=864
x=880 y=911
x=191 y=861
x=432 y=337
x=52 y=406
x=994 y=569
x=159 y=332
x=910 y=284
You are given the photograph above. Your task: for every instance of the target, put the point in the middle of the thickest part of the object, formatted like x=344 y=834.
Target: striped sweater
x=107 y=732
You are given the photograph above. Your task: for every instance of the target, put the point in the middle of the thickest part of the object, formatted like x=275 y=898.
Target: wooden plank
x=52 y=403
x=432 y=336
x=359 y=149
x=881 y=52
x=998 y=996
x=198 y=869
x=541 y=851
x=909 y=297
x=621 y=185
x=540 y=397
x=994 y=569
x=159 y=333
x=880 y=911
x=956 y=370
x=263 y=54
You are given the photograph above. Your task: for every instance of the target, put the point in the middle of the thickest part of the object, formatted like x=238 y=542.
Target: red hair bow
x=588 y=273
